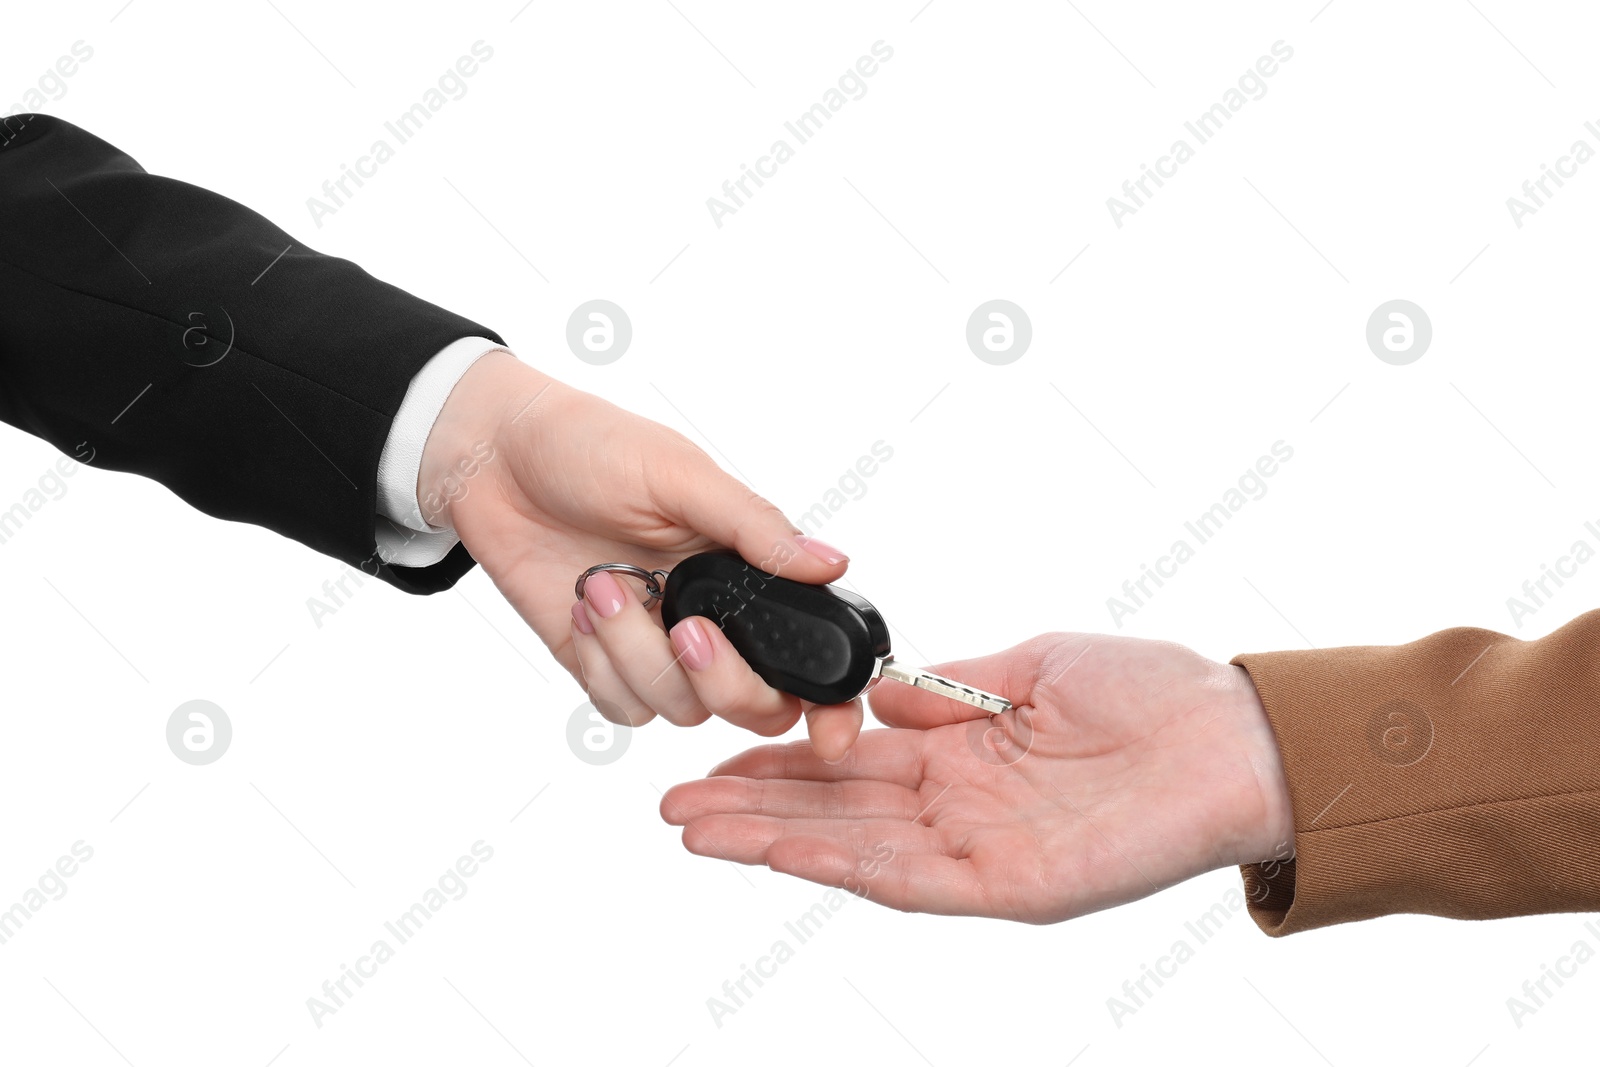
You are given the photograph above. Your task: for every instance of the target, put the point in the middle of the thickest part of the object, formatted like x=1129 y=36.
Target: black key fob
x=819 y=643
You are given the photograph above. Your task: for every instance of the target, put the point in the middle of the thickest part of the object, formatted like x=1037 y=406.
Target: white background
x=827 y=314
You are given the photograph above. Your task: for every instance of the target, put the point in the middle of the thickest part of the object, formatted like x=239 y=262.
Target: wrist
x=465 y=438
x=1270 y=833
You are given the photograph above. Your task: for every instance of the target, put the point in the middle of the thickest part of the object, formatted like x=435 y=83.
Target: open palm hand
x=1126 y=767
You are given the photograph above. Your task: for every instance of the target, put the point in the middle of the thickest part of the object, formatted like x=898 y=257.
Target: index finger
x=712 y=502
x=1012 y=674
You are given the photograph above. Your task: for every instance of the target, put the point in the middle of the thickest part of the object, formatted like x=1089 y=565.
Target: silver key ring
x=652 y=580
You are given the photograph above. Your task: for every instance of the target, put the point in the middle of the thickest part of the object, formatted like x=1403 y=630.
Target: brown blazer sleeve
x=1458 y=775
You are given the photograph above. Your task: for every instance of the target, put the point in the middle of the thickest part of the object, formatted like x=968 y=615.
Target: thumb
x=712 y=502
x=1012 y=674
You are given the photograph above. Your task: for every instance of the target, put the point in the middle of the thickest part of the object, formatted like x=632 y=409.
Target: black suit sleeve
x=138 y=332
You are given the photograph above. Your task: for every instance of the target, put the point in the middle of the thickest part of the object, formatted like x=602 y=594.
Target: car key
x=819 y=643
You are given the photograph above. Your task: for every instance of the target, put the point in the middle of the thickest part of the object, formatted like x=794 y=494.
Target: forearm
x=1452 y=776
x=171 y=332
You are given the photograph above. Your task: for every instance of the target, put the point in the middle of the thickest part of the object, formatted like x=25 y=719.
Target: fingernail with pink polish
x=821 y=549
x=694 y=648
x=604 y=594
x=580 y=617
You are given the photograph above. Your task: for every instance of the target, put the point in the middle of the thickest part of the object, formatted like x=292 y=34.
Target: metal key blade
x=934 y=683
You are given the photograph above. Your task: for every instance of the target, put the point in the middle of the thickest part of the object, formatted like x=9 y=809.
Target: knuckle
x=775 y=725
x=681 y=710
x=722 y=702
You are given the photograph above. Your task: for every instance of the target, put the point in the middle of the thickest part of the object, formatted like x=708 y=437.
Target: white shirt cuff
x=404 y=537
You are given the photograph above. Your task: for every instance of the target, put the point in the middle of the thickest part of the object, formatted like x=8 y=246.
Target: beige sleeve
x=1458 y=775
